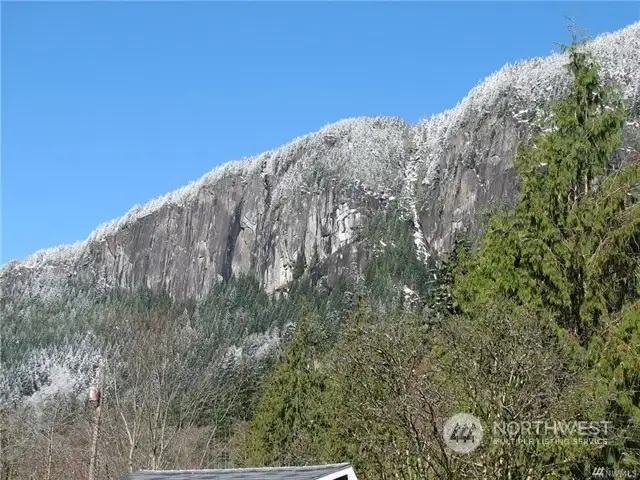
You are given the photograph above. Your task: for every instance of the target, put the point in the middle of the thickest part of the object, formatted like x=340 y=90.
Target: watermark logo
x=462 y=433
x=609 y=473
x=556 y=428
x=552 y=432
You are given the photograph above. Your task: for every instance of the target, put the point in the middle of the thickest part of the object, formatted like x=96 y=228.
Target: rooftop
x=340 y=471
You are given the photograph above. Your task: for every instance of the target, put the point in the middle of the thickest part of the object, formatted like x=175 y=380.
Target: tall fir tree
x=571 y=244
x=546 y=251
x=287 y=419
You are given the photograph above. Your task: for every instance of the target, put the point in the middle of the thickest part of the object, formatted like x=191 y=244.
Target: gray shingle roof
x=276 y=473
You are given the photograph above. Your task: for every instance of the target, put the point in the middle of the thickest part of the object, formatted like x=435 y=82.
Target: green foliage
x=616 y=368
x=369 y=391
x=570 y=246
x=440 y=297
x=505 y=363
x=395 y=261
x=550 y=249
x=287 y=422
x=392 y=383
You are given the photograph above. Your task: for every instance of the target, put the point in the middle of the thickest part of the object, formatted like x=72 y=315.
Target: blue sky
x=105 y=105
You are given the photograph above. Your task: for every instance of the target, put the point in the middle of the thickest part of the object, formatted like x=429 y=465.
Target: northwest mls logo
x=462 y=433
x=606 y=472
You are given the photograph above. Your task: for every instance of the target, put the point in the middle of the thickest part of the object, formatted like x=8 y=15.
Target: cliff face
x=258 y=216
x=262 y=215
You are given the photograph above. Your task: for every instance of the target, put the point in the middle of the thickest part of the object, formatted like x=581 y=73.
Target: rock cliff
x=263 y=215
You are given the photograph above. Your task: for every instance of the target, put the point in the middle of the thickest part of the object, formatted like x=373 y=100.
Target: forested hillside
x=542 y=322
x=534 y=315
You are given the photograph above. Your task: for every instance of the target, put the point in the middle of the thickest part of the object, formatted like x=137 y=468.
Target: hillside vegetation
x=537 y=318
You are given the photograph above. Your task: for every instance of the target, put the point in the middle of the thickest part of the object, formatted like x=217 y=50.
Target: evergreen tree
x=571 y=244
x=555 y=246
x=286 y=421
x=300 y=266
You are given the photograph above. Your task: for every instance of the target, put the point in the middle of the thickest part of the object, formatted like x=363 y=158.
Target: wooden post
x=95 y=394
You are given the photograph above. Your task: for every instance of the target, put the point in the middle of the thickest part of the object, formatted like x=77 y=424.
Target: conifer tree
x=554 y=247
x=571 y=244
x=286 y=421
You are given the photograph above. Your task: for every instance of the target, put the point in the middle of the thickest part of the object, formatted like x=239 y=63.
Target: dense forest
x=535 y=318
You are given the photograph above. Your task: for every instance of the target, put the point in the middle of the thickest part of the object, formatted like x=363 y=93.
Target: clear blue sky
x=105 y=105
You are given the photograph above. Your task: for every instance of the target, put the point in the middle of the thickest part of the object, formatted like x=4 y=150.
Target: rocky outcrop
x=466 y=153
x=264 y=215
x=259 y=216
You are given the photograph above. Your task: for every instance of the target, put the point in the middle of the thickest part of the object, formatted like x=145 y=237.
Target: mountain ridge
x=355 y=166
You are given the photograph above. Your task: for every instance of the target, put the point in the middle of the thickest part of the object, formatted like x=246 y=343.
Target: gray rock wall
x=258 y=216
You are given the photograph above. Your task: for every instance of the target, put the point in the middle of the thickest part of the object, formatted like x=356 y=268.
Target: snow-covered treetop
x=361 y=149
x=63 y=370
x=528 y=84
x=369 y=150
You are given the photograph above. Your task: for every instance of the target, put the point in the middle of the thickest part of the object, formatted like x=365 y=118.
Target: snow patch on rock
x=409 y=198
